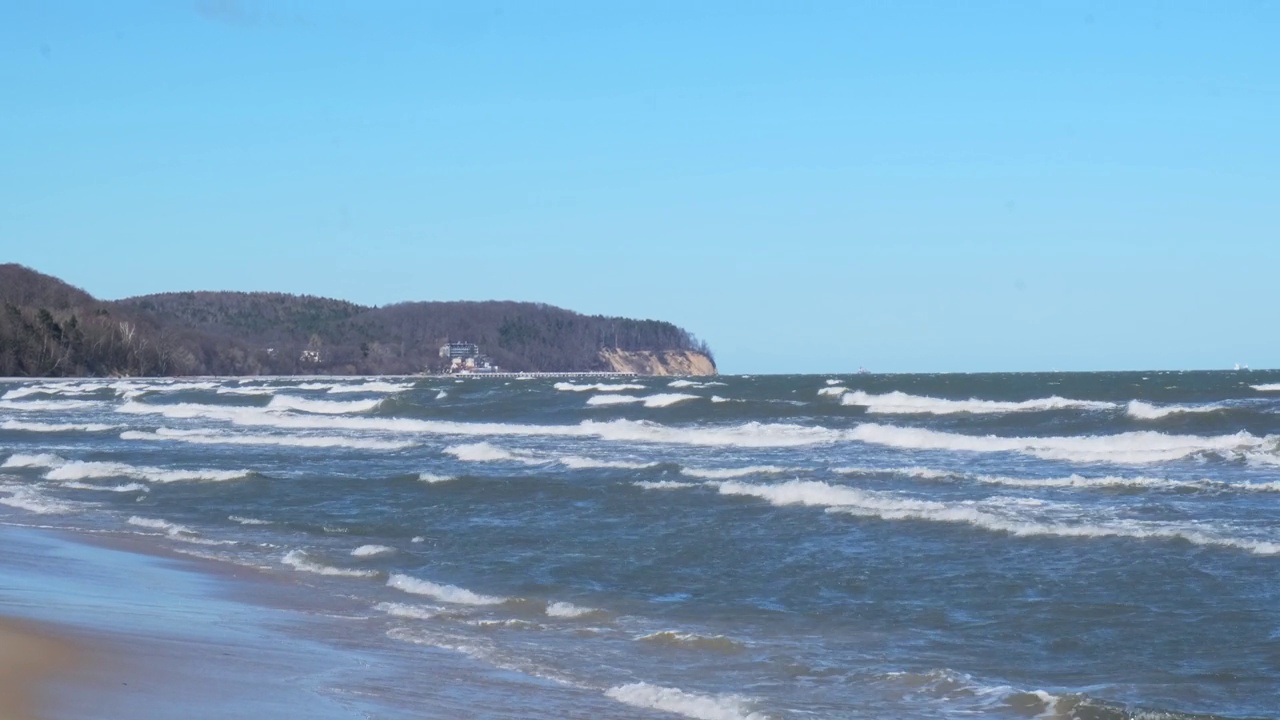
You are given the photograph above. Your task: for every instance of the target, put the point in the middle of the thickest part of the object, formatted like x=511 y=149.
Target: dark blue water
x=1032 y=545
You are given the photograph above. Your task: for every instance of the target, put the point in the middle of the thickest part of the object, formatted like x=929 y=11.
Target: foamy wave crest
x=247 y=520
x=574 y=462
x=85 y=470
x=993 y=514
x=752 y=434
x=569 y=610
x=414 y=612
x=127 y=487
x=1124 y=448
x=651 y=401
x=695 y=384
x=31 y=500
x=56 y=427
x=915 y=471
x=45 y=405
x=372 y=387
x=675 y=638
x=443 y=593
x=690 y=705
x=298 y=560
x=171 y=529
x=833 y=391
x=1268 y=387
x=43 y=460
x=313 y=441
x=372 y=551
x=597 y=387
x=900 y=403
x=433 y=478
x=663 y=485
x=486 y=452
x=1147 y=411
x=321 y=407
x=247 y=390
x=1111 y=481
x=728 y=473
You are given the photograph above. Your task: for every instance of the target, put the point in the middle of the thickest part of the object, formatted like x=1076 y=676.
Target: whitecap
x=569 y=610
x=727 y=473
x=56 y=427
x=659 y=400
x=1268 y=387
x=433 y=478
x=84 y=470
x=415 y=612
x=322 y=407
x=372 y=551
x=312 y=441
x=663 y=484
x=690 y=705
x=486 y=452
x=1147 y=411
x=298 y=560
x=443 y=593
x=597 y=387
x=901 y=403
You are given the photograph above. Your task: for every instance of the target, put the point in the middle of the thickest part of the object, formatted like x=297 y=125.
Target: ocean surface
x=1098 y=545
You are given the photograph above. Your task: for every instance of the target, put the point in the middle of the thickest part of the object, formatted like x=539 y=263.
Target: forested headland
x=50 y=328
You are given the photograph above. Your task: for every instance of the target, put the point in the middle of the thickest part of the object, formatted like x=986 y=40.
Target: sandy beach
x=92 y=631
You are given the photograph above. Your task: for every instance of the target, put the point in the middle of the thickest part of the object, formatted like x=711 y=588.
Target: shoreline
x=114 y=629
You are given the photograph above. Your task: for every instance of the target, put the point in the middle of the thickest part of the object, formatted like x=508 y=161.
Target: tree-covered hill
x=48 y=327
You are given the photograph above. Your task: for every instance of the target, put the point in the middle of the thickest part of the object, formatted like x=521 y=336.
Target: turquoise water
x=1029 y=545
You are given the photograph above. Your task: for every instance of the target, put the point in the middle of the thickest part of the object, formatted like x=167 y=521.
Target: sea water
x=851 y=546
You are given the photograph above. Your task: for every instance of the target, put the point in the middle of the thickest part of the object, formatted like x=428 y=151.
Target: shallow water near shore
x=917 y=546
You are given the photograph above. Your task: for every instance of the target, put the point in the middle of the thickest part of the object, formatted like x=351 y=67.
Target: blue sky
x=809 y=186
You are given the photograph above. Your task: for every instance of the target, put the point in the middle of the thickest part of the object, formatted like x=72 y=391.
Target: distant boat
x=863 y=371
x=1241 y=367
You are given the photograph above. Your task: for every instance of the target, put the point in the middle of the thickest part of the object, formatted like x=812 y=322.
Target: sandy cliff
x=662 y=362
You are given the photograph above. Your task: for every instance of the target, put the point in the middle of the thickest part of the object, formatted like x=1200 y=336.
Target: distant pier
x=518 y=375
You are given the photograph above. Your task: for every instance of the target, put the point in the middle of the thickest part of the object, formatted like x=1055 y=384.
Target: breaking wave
x=31 y=500
x=729 y=473
x=574 y=462
x=298 y=560
x=46 y=405
x=900 y=403
x=597 y=387
x=993 y=514
x=663 y=484
x=427 y=477
x=690 y=705
x=375 y=386
x=415 y=612
x=443 y=593
x=650 y=401
x=321 y=407
x=1125 y=448
x=1147 y=411
x=370 y=551
x=1268 y=387
x=569 y=610
x=486 y=452
x=312 y=441
x=56 y=427
x=675 y=638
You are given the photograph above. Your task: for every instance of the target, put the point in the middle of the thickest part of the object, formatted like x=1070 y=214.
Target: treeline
x=49 y=328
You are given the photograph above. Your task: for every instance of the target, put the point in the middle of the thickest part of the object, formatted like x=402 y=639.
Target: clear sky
x=809 y=186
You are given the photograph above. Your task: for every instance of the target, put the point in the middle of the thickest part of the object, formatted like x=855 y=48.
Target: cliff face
x=661 y=362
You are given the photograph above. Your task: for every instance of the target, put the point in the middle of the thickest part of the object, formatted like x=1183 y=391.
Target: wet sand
x=90 y=631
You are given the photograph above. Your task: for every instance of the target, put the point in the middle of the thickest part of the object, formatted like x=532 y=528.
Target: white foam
x=312 y=441
x=694 y=384
x=298 y=561
x=485 y=452
x=901 y=403
x=574 y=462
x=247 y=390
x=373 y=386
x=441 y=395
x=832 y=381
x=372 y=551
x=415 y=612
x=1114 y=481
x=1125 y=448
x=43 y=460
x=56 y=427
x=569 y=610
x=680 y=638
x=833 y=391
x=1147 y=411
x=1268 y=387
x=127 y=487
x=247 y=520
x=46 y=405
x=170 y=529
x=322 y=407
x=597 y=387
x=85 y=470
x=663 y=485
x=718 y=399
x=443 y=593
x=690 y=705
x=914 y=471
x=752 y=434
x=651 y=401
x=1007 y=515
x=433 y=478
x=727 y=473
x=31 y=500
